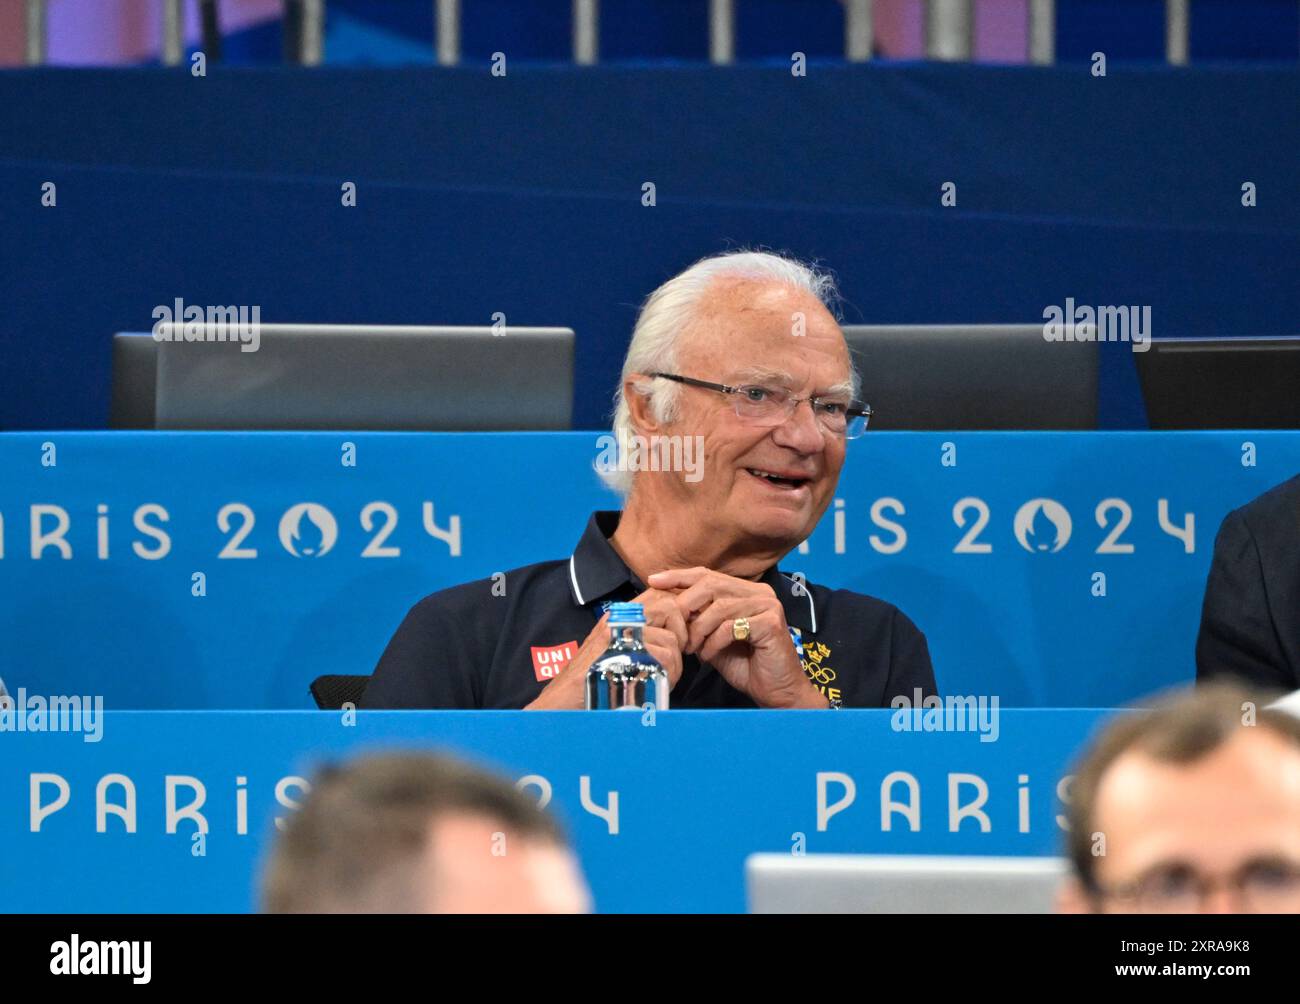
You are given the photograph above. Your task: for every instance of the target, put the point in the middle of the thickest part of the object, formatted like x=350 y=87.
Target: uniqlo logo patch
x=548 y=660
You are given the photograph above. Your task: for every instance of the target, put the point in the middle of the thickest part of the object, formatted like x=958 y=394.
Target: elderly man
x=740 y=355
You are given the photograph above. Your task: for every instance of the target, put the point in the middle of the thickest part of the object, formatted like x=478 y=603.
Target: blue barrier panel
x=696 y=792
x=998 y=545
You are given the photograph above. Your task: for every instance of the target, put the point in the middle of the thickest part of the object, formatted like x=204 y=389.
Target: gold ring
x=740 y=629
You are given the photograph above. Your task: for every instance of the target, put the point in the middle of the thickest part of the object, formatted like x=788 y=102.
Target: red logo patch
x=548 y=660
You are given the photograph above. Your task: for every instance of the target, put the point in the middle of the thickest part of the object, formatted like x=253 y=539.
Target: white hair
x=667 y=313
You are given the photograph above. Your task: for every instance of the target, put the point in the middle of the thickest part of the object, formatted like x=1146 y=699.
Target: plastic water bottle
x=626 y=676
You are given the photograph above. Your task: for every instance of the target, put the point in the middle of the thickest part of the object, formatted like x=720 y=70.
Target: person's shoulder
x=888 y=653
x=471 y=599
x=1282 y=502
x=1268 y=521
x=868 y=611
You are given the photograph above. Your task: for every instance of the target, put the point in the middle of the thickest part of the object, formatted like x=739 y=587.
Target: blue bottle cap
x=626 y=613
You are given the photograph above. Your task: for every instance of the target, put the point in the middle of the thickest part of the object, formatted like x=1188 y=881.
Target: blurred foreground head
x=413 y=833
x=1191 y=807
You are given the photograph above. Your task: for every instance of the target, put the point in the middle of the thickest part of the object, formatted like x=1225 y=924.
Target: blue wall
x=523 y=194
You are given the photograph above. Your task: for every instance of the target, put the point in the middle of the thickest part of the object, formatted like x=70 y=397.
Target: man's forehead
x=742 y=372
x=1248 y=766
x=774 y=341
x=749 y=305
x=837 y=381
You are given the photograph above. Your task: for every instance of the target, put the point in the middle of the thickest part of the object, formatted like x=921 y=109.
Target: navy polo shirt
x=495 y=644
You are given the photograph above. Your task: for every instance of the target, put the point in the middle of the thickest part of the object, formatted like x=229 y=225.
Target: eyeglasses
x=1266 y=885
x=772 y=406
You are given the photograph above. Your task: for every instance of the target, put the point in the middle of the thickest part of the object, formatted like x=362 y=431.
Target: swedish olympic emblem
x=810 y=658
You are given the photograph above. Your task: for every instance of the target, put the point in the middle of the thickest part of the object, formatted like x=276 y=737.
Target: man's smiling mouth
x=778 y=480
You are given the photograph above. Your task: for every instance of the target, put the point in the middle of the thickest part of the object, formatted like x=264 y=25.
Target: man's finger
x=762 y=627
x=676 y=578
x=705 y=591
x=661 y=610
x=662 y=644
x=722 y=613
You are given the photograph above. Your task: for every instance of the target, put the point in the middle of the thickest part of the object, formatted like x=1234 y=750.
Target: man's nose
x=1221 y=899
x=801 y=431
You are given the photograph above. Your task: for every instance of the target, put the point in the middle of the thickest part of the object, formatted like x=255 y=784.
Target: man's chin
x=777 y=518
x=788 y=528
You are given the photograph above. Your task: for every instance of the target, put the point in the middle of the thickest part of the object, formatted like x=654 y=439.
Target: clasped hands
x=693 y=611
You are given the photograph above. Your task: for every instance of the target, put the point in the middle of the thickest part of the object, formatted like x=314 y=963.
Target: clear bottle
x=626 y=675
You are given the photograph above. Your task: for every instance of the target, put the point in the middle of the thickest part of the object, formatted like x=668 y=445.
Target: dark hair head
x=1179 y=729
x=364 y=831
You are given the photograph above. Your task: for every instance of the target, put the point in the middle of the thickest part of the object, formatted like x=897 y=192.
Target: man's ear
x=638 y=405
x=1071 y=897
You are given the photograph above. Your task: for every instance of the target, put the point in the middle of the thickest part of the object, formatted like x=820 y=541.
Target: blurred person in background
x=1190 y=807
x=414 y=833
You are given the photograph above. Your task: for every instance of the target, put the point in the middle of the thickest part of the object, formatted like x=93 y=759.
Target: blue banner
x=222 y=570
x=174 y=811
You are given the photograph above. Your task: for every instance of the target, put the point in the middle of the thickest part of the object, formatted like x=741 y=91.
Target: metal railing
x=37 y=24
x=949 y=30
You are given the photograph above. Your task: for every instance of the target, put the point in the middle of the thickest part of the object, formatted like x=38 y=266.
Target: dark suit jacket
x=1250 y=621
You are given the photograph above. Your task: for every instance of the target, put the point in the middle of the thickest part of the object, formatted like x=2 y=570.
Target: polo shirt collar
x=596 y=571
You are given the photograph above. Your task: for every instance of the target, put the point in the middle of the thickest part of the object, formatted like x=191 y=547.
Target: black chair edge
x=332 y=692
